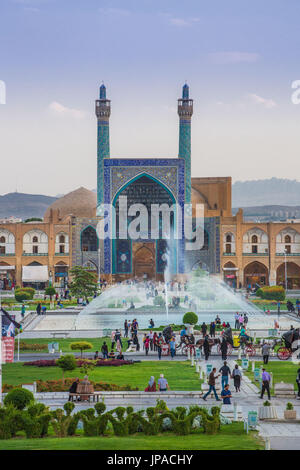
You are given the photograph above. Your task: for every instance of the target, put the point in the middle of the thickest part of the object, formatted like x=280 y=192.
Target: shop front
x=7 y=277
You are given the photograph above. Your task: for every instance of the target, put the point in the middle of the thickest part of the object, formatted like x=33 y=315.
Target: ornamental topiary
x=190 y=318
x=81 y=346
x=10 y=421
x=19 y=398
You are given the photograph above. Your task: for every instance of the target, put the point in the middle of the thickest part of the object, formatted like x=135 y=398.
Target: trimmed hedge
x=31 y=346
x=271 y=293
x=59 y=386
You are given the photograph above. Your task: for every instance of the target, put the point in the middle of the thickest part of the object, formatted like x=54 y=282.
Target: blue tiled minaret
x=185 y=112
x=103 y=114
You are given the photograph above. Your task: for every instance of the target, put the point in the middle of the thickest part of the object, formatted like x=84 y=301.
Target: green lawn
x=231 y=437
x=282 y=371
x=180 y=375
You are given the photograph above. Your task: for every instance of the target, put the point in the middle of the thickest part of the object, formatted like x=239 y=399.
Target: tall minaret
x=103 y=114
x=185 y=112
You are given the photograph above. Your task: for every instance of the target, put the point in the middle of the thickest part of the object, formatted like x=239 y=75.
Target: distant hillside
x=273 y=191
x=269 y=213
x=24 y=206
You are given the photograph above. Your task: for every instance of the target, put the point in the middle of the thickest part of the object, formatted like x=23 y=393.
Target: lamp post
x=0 y=352
x=285 y=270
x=99 y=265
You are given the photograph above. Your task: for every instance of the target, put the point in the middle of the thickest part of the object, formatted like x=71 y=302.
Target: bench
x=61 y=334
x=84 y=392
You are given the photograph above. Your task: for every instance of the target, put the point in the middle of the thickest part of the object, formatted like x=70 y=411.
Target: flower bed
x=79 y=362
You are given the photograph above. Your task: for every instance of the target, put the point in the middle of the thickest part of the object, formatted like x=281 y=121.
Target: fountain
x=205 y=294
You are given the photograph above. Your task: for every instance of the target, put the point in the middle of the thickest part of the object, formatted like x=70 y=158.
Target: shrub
x=271 y=293
x=19 y=397
x=289 y=406
x=21 y=296
x=190 y=318
x=267 y=403
x=81 y=346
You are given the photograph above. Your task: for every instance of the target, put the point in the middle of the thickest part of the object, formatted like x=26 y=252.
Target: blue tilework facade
x=185 y=153
x=119 y=172
x=103 y=151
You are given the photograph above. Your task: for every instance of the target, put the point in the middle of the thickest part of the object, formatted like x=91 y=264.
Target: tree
x=67 y=362
x=84 y=283
x=81 y=346
x=50 y=291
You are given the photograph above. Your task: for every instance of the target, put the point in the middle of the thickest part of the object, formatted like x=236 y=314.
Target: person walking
x=147 y=345
x=126 y=329
x=204 y=329
x=206 y=348
x=172 y=347
x=159 y=345
x=23 y=310
x=265 y=350
x=212 y=385
x=118 y=337
x=212 y=329
x=225 y=371
x=38 y=308
x=237 y=321
x=224 y=348
x=113 y=333
x=266 y=379
x=104 y=350
x=155 y=341
x=237 y=377
x=226 y=395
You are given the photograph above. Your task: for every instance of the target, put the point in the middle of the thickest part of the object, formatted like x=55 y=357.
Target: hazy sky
x=239 y=57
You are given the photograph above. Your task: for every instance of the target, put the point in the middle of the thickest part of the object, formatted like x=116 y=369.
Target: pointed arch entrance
x=256 y=273
x=142 y=257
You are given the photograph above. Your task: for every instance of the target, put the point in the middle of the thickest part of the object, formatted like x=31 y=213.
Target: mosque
x=242 y=253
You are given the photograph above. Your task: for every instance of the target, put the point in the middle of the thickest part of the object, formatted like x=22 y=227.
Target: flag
x=9 y=324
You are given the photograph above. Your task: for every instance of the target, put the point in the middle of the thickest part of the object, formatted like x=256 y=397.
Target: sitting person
x=85 y=388
x=120 y=356
x=73 y=388
x=96 y=355
x=111 y=354
x=151 y=385
x=243 y=336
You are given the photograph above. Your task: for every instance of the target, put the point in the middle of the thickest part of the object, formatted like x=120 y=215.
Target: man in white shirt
x=162 y=383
